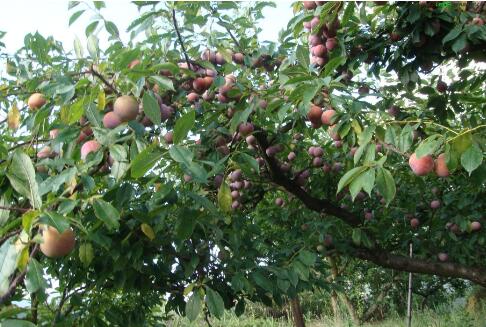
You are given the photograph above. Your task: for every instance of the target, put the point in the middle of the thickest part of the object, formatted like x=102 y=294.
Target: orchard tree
x=200 y=166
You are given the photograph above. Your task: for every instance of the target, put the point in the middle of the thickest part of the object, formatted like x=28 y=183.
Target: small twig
x=104 y=80
x=174 y=20
x=227 y=30
x=14 y=209
x=206 y=318
x=8 y=235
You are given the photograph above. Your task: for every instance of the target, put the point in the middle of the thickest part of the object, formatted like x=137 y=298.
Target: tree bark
x=377 y=255
x=351 y=309
x=297 y=315
x=34 y=305
x=334 y=305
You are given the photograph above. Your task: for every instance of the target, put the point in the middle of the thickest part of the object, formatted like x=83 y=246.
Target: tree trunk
x=34 y=304
x=351 y=309
x=297 y=315
x=334 y=304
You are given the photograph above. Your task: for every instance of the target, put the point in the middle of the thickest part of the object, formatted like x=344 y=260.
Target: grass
x=442 y=316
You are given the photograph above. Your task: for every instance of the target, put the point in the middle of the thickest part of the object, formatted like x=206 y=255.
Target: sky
x=50 y=18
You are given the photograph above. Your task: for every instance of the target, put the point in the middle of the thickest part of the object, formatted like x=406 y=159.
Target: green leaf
x=163 y=82
x=107 y=213
x=385 y=184
x=453 y=33
x=53 y=183
x=93 y=47
x=93 y=114
x=90 y=28
x=246 y=161
x=193 y=306
x=429 y=145
x=55 y=220
x=34 y=279
x=283 y=284
x=72 y=114
x=349 y=176
x=214 y=302
x=86 y=254
x=183 y=126
x=365 y=181
x=348 y=13
x=356 y=236
x=17 y=323
x=75 y=16
x=186 y=223
x=334 y=63
x=471 y=158
x=181 y=154
x=151 y=108
x=8 y=263
x=171 y=67
x=148 y=231
x=460 y=43
x=240 y=117
x=302 y=55
x=406 y=138
x=21 y=175
x=4 y=214
x=198 y=172
x=145 y=160
x=307 y=258
x=224 y=197
x=112 y=29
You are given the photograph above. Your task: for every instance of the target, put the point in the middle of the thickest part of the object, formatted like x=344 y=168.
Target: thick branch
x=376 y=255
x=319 y=205
x=416 y=265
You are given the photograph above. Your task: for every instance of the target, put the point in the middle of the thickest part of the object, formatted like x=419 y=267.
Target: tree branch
x=14 y=209
x=376 y=255
x=104 y=80
x=179 y=37
x=416 y=265
x=319 y=205
x=227 y=30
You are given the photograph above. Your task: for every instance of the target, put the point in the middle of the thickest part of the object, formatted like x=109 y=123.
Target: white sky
x=50 y=18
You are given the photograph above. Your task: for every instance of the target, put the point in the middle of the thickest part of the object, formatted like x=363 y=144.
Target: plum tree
x=260 y=149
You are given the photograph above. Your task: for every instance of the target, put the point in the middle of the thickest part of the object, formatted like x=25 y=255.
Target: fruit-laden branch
x=17 y=280
x=375 y=255
x=319 y=205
